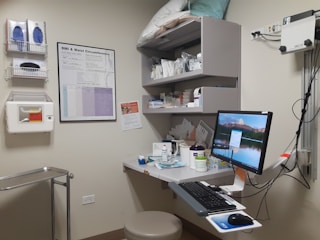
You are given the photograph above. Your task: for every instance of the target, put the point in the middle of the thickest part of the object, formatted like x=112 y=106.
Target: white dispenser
x=29 y=112
x=195 y=151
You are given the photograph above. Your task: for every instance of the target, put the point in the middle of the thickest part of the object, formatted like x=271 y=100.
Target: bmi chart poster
x=86 y=83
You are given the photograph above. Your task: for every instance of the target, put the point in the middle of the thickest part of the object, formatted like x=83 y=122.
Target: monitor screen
x=241 y=137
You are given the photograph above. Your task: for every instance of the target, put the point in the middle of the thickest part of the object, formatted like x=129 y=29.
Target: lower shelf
x=213 y=99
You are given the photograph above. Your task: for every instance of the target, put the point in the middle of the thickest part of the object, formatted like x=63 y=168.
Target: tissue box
x=29 y=68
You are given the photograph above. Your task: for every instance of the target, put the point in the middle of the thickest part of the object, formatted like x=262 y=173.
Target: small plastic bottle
x=164 y=154
x=141 y=160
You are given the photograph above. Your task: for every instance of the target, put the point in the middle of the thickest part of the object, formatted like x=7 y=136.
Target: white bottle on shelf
x=164 y=154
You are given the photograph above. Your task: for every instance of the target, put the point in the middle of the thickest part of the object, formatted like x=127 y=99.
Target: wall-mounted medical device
x=298 y=32
x=29 y=112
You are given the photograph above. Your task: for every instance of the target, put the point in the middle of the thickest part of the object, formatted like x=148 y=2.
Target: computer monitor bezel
x=259 y=168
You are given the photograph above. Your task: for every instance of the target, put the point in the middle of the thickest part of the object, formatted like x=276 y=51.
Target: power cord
x=265 y=36
x=265 y=188
x=285 y=170
x=307 y=95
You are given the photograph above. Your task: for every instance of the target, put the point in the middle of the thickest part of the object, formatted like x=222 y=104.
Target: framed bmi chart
x=86 y=83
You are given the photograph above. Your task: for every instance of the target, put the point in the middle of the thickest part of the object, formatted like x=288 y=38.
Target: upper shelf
x=218 y=41
x=184 y=33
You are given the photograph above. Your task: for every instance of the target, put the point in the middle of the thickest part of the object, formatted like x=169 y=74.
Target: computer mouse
x=239 y=219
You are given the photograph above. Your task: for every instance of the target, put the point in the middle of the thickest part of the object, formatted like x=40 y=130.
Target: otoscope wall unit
x=29 y=112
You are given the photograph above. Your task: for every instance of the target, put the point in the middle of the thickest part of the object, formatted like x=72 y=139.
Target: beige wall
x=273 y=82
x=93 y=151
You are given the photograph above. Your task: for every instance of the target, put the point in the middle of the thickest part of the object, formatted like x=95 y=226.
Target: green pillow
x=212 y=8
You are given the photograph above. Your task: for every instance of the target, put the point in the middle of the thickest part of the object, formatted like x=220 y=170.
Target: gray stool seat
x=153 y=225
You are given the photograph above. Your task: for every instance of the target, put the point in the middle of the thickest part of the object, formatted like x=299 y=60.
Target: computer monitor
x=241 y=138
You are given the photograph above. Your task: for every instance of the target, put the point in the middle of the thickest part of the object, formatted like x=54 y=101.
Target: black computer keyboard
x=207 y=197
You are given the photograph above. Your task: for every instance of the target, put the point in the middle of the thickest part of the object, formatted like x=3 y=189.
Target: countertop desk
x=183 y=174
x=179 y=174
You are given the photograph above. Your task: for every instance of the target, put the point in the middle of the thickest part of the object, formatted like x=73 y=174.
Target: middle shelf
x=212 y=100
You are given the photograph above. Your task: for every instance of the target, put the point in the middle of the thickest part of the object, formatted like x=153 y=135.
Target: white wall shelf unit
x=219 y=43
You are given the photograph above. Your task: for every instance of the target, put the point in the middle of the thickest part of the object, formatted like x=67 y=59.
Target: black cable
x=264 y=200
x=298 y=118
x=314 y=71
x=251 y=195
x=307 y=185
x=307 y=94
x=298 y=180
x=264 y=36
x=292 y=108
x=256 y=185
x=267 y=186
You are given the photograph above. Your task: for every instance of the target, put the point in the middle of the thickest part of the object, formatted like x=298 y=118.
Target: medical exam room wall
x=271 y=81
x=92 y=151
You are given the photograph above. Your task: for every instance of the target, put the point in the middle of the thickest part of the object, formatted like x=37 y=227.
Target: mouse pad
x=220 y=222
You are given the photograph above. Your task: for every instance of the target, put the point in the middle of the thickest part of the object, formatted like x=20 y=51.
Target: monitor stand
x=239 y=182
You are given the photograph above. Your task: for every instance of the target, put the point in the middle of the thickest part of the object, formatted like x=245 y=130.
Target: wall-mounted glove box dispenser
x=29 y=112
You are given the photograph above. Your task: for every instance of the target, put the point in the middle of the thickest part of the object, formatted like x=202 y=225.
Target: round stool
x=153 y=225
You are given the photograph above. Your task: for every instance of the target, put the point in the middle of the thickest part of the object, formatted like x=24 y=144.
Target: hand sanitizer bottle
x=164 y=154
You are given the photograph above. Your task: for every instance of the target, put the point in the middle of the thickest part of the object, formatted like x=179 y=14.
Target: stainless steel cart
x=39 y=175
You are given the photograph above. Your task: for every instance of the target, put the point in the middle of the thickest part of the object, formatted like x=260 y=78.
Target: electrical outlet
x=273 y=28
x=268 y=29
x=89 y=199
